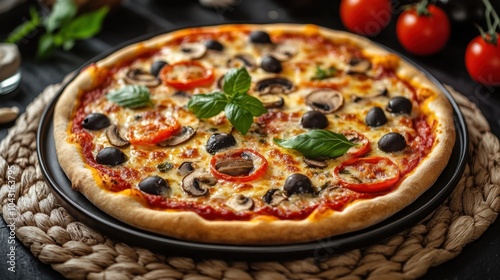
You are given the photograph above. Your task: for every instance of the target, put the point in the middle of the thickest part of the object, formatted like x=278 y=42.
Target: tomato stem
x=490 y=36
x=422 y=8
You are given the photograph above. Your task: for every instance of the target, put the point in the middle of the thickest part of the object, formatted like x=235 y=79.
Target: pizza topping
x=164 y=167
x=130 y=96
x=185 y=168
x=116 y=137
x=272 y=101
x=260 y=37
x=214 y=45
x=274 y=197
x=152 y=128
x=392 y=142
x=270 y=64
x=375 y=117
x=359 y=66
x=399 y=105
x=186 y=75
x=240 y=202
x=284 y=52
x=324 y=73
x=239 y=165
x=219 y=141
x=154 y=185
x=111 y=156
x=194 y=50
x=156 y=67
x=325 y=100
x=363 y=144
x=383 y=93
x=317 y=144
x=368 y=175
x=314 y=119
x=297 y=184
x=193 y=182
x=242 y=60
x=95 y=121
x=274 y=85
x=184 y=135
x=140 y=77
x=316 y=163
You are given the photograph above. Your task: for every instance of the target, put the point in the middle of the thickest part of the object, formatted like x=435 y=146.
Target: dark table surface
x=478 y=260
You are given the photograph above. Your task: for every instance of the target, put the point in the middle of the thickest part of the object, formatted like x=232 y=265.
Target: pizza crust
x=189 y=226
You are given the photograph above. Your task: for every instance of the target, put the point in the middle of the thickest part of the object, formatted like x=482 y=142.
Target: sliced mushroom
x=220 y=82
x=140 y=77
x=272 y=101
x=194 y=50
x=274 y=197
x=193 y=181
x=240 y=202
x=382 y=93
x=116 y=136
x=315 y=163
x=240 y=60
x=284 y=52
x=275 y=85
x=185 y=168
x=234 y=167
x=359 y=66
x=183 y=136
x=325 y=100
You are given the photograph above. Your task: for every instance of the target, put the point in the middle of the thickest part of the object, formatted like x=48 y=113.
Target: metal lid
x=10 y=60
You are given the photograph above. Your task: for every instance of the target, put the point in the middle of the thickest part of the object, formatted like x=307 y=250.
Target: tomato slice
x=187 y=75
x=238 y=155
x=153 y=128
x=367 y=175
x=355 y=137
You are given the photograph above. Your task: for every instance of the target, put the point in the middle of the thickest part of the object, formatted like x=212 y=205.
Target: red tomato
x=153 y=128
x=355 y=137
x=423 y=34
x=259 y=162
x=377 y=174
x=483 y=61
x=366 y=17
x=186 y=75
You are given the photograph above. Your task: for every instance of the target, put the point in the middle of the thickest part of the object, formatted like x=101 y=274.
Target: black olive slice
x=219 y=141
x=392 y=142
x=260 y=37
x=399 y=105
x=95 y=121
x=214 y=45
x=297 y=183
x=155 y=185
x=271 y=64
x=314 y=119
x=375 y=117
x=111 y=156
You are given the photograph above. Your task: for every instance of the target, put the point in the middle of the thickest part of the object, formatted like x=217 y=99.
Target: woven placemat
x=79 y=252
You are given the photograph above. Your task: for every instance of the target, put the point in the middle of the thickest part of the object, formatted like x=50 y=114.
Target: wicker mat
x=79 y=252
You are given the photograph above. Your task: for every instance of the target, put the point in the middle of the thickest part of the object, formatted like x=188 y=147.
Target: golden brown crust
x=190 y=226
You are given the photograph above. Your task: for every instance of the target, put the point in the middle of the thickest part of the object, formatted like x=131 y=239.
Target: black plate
x=86 y=212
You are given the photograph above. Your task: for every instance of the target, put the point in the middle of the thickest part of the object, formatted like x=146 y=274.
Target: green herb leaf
x=317 y=143
x=250 y=103
x=239 y=117
x=164 y=167
x=322 y=73
x=207 y=105
x=62 y=12
x=85 y=26
x=26 y=28
x=46 y=46
x=237 y=81
x=130 y=96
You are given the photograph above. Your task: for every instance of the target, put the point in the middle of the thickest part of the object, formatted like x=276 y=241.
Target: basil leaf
x=26 y=28
x=130 y=96
x=250 y=103
x=317 y=143
x=46 y=46
x=239 y=117
x=322 y=74
x=85 y=26
x=62 y=12
x=237 y=81
x=207 y=105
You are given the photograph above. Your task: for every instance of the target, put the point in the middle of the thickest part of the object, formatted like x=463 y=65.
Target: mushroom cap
x=325 y=100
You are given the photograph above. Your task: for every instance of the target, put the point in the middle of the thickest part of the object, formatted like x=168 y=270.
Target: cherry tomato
x=423 y=34
x=186 y=75
x=482 y=60
x=363 y=146
x=365 y=17
x=153 y=128
x=259 y=164
x=367 y=175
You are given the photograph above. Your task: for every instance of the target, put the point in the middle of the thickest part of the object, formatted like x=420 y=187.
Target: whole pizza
x=253 y=134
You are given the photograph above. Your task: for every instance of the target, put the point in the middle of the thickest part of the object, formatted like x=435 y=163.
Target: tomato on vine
x=423 y=29
x=482 y=56
x=365 y=17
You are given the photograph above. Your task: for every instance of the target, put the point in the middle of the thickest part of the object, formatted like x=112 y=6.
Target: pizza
x=252 y=134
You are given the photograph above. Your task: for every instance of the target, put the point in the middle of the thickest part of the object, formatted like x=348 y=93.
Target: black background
x=479 y=260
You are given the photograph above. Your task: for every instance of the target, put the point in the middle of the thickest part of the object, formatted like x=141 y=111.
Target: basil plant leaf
x=239 y=117
x=318 y=143
x=207 y=105
x=86 y=25
x=62 y=12
x=250 y=103
x=130 y=96
x=236 y=81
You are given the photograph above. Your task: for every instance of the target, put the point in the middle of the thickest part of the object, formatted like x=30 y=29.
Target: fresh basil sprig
x=237 y=104
x=131 y=96
x=324 y=73
x=317 y=143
